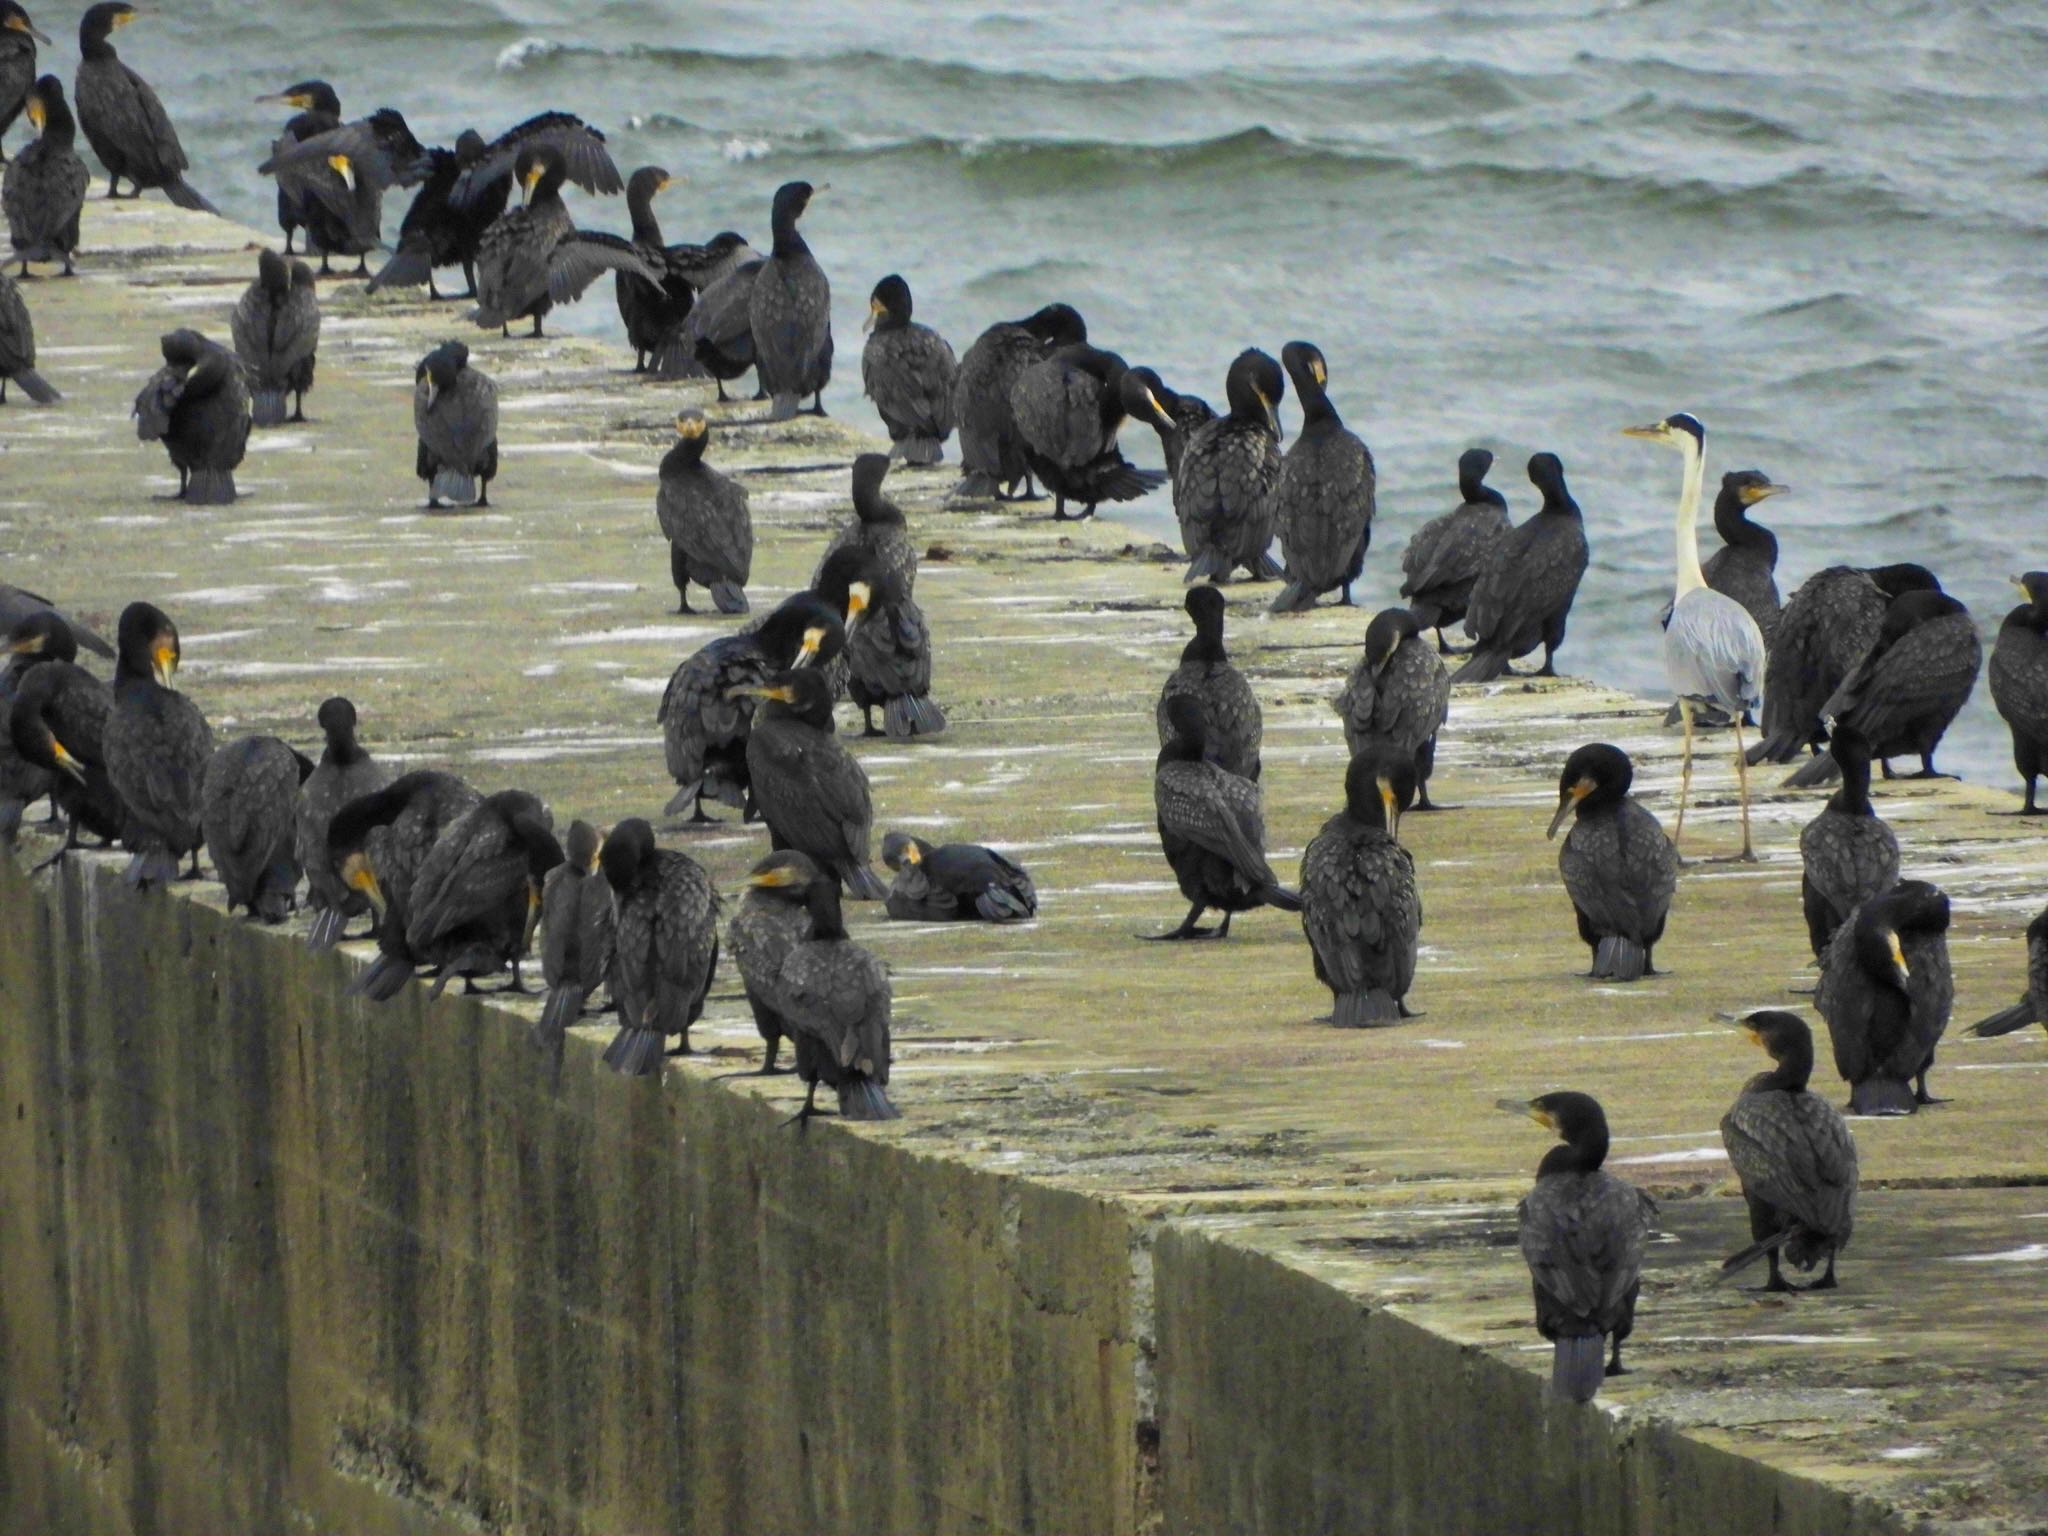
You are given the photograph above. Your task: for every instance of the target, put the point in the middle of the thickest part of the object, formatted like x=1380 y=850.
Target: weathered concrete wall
x=274 y=1261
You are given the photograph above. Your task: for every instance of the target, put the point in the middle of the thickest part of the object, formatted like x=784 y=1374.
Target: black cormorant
x=1745 y=566
x=1360 y=906
x=909 y=371
x=18 y=348
x=534 y=257
x=18 y=38
x=1174 y=417
x=1446 y=554
x=1796 y=1159
x=955 y=881
x=576 y=934
x=122 y=118
x=1908 y=687
x=157 y=746
x=664 y=945
x=719 y=329
x=56 y=723
x=991 y=447
x=704 y=517
x=435 y=232
x=1523 y=594
x=653 y=312
x=455 y=414
x=773 y=918
x=316 y=108
x=1886 y=990
x=1067 y=409
x=247 y=801
x=1619 y=868
x=276 y=327
x=1399 y=692
x=809 y=789
x=790 y=313
x=345 y=772
x=1849 y=853
x=17 y=603
x=476 y=896
x=1582 y=1235
x=878 y=526
x=1323 y=498
x=2032 y=1008
x=339 y=172
x=1210 y=828
x=586 y=161
x=45 y=184
x=1222 y=490
x=197 y=405
x=2019 y=682
x=376 y=845
x=42 y=638
x=1233 y=726
x=889 y=663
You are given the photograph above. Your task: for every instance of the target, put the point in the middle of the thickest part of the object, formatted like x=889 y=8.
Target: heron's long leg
x=1684 y=772
x=1742 y=776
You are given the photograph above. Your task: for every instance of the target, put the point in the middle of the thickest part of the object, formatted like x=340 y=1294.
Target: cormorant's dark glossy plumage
x=56 y=723
x=534 y=257
x=1211 y=828
x=1886 y=990
x=1233 y=725
x=1745 y=566
x=197 y=405
x=247 y=803
x=17 y=603
x=1222 y=490
x=586 y=162
x=909 y=371
x=653 y=312
x=1523 y=594
x=41 y=638
x=1067 y=409
x=810 y=790
x=576 y=934
x=1582 y=1235
x=122 y=118
x=1174 y=417
x=664 y=945
x=1850 y=855
x=790 y=313
x=18 y=348
x=1795 y=1157
x=376 y=845
x=476 y=895
x=18 y=38
x=1619 y=868
x=455 y=415
x=704 y=517
x=1360 y=906
x=2019 y=683
x=345 y=772
x=1323 y=499
x=719 y=329
x=276 y=327
x=1399 y=692
x=157 y=746
x=889 y=663
x=834 y=998
x=773 y=918
x=45 y=184
x=2032 y=1008
x=437 y=231
x=1446 y=554
x=991 y=446
x=316 y=109
x=954 y=882
x=338 y=172
x=878 y=526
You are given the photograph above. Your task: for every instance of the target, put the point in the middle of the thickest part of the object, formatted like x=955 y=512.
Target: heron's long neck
x=1690 y=577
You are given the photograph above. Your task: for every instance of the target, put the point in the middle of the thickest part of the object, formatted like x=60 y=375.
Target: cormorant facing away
x=1323 y=498
x=576 y=934
x=1399 y=692
x=2019 y=682
x=704 y=517
x=1068 y=409
x=1222 y=490
x=377 y=845
x=810 y=790
x=476 y=897
x=1446 y=554
x=248 y=799
x=991 y=446
x=535 y=257
x=955 y=881
x=774 y=917
x=45 y=184
x=122 y=118
x=197 y=405
x=157 y=746
x=909 y=371
x=18 y=38
x=1233 y=726
x=1211 y=829
x=1910 y=684
x=1745 y=566
x=1619 y=868
x=1174 y=417
x=345 y=772
x=1795 y=1157
x=790 y=313
x=455 y=414
x=2032 y=1008
x=1886 y=990
x=276 y=327
x=1582 y=1236
x=18 y=348
x=878 y=526
x=1359 y=904
x=1849 y=853
x=437 y=233
x=1523 y=594
x=664 y=945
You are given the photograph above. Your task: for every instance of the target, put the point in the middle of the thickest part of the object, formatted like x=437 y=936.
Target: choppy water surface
x=1819 y=226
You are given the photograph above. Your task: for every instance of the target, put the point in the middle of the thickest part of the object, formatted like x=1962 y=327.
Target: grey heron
x=1713 y=650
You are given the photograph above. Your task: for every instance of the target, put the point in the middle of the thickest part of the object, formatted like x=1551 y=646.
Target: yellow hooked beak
x=876 y=309
x=664 y=184
x=814 y=639
x=689 y=426
x=783 y=695
x=23 y=24
x=1524 y=1107
x=531 y=181
x=1898 y=957
x=432 y=389
x=913 y=853
x=595 y=854
x=1569 y=801
x=357 y=875
x=31 y=645
x=1752 y=494
x=123 y=17
x=1388 y=799
x=1153 y=401
x=297 y=100
x=163 y=661
x=1272 y=416
x=1318 y=372
x=857 y=597
x=771 y=879
x=37 y=114
x=66 y=761
x=532 y=914
x=339 y=164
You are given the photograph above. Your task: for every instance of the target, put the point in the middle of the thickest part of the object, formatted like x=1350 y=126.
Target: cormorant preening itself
x=1849 y=853
x=956 y=881
x=833 y=997
x=56 y=723
x=1445 y=556
x=197 y=405
x=1210 y=828
x=1794 y=1154
x=1174 y=417
x=376 y=845
x=718 y=332
x=435 y=232
x=41 y=638
x=2019 y=682
x=316 y=109
x=17 y=603
x=1831 y=621
x=18 y=39
x=1323 y=498
x=276 y=327
x=1359 y=904
x=809 y=789
x=476 y=895
x=585 y=159
x=1886 y=990
x=1619 y=868
x=774 y=917
x=664 y=945
x=704 y=517
x=2032 y=1008
x=534 y=257
x=576 y=934
x=1713 y=650
x=45 y=184
x=653 y=312
x=878 y=526
x=909 y=371
x=1910 y=684
x=790 y=313
x=1232 y=723
x=1523 y=593
x=247 y=801
x=1222 y=490
x=1067 y=410
x=455 y=414
x=18 y=348
x=1745 y=566
x=339 y=173
x=889 y=663
x=122 y=118
x=991 y=447
x=345 y=772
x=1582 y=1235
x=157 y=745
x=1398 y=692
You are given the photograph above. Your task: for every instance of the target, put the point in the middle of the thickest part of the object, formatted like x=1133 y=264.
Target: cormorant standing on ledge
x=1447 y=553
x=1523 y=595
x=1619 y=868
x=1210 y=829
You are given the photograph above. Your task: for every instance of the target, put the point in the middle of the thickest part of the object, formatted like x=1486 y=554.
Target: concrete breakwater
x=1151 y=1250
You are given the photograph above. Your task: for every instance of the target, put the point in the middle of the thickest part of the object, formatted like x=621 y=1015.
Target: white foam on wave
x=514 y=57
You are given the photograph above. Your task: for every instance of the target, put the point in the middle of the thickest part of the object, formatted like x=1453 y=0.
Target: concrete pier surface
x=1278 y=1259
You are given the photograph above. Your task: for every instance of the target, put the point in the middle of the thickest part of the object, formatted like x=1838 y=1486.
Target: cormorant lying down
x=376 y=846
x=45 y=184
x=276 y=327
x=1446 y=554
x=1067 y=410
x=1849 y=853
x=247 y=803
x=665 y=945
x=1523 y=595
x=991 y=447
x=810 y=790
x=157 y=745
x=705 y=519
x=954 y=882
x=1232 y=723
x=18 y=348
x=790 y=313
x=1582 y=1233
x=1323 y=498
x=2032 y=1008
x=122 y=118
x=1360 y=906
x=1222 y=490
x=198 y=407
x=576 y=934
x=455 y=415
x=1399 y=692
x=1619 y=868
x=909 y=372
x=476 y=898
x=1795 y=1157
x=1211 y=829
x=1886 y=990
x=774 y=917
x=345 y=772
x=2019 y=682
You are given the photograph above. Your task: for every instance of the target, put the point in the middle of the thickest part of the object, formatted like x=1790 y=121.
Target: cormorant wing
x=723 y=313
x=1792 y=1157
x=582 y=147
x=1582 y=1236
x=158 y=398
x=1933 y=663
x=833 y=810
x=577 y=260
x=472 y=869
x=17 y=603
x=1217 y=811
